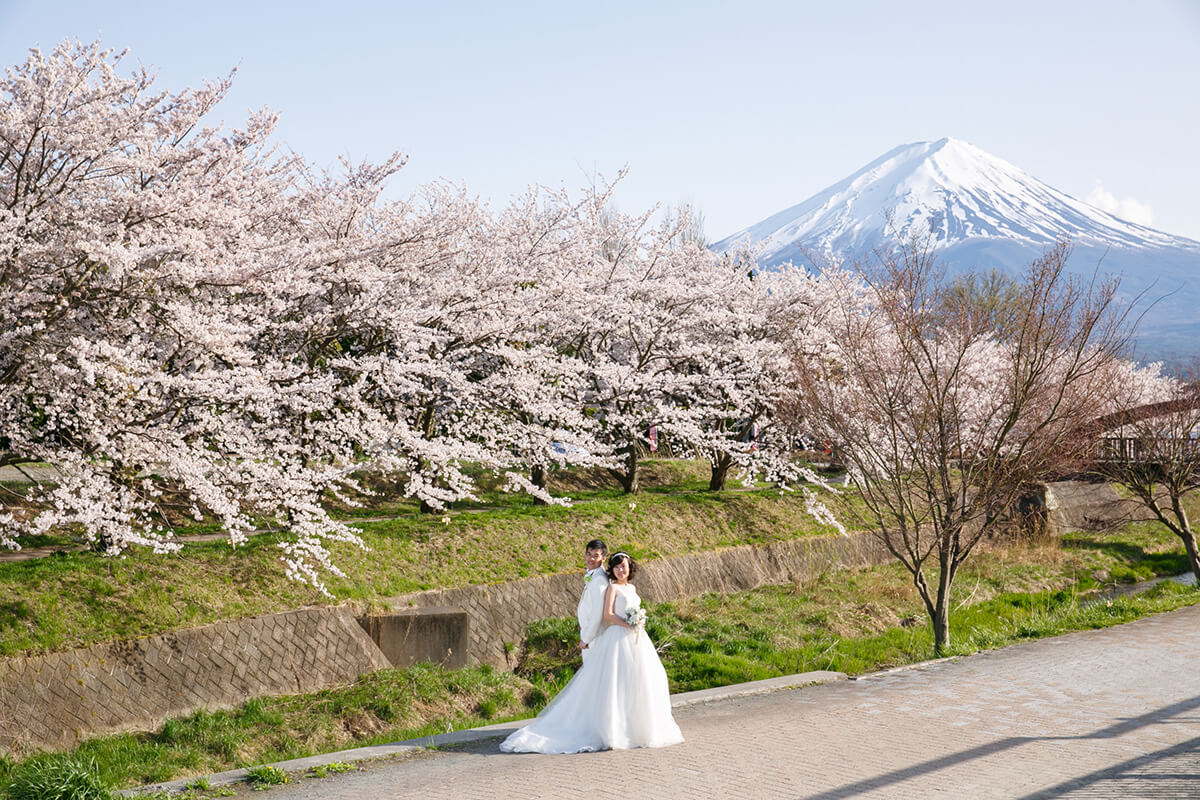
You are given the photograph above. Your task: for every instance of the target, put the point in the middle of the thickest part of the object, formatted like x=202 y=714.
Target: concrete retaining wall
x=1083 y=506
x=439 y=635
x=54 y=700
x=499 y=614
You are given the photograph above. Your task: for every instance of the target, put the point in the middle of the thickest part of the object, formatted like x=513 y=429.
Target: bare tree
x=691 y=232
x=1153 y=450
x=945 y=407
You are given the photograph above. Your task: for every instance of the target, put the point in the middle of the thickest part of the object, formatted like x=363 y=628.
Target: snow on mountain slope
x=985 y=213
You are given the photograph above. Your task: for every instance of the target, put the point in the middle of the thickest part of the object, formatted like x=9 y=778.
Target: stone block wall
x=500 y=613
x=54 y=700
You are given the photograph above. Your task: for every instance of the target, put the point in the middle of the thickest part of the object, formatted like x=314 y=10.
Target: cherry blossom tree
x=143 y=261
x=1151 y=446
x=193 y=323
x=441 y=333
x=943 y=409
x=651 y=308
x=747 y=366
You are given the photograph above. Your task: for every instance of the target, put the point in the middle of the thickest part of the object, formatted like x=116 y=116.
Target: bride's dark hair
x=615 y=559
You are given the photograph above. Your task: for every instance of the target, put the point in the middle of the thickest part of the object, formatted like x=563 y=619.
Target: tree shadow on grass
x=14 y=615
x=1135 y=556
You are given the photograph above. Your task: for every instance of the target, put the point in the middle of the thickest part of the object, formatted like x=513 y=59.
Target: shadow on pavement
x=1130 y=771
x=1170 y=772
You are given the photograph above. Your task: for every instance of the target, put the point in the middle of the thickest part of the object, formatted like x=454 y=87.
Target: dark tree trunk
x=720 y=472
x=1193 y=556
x=426 y=422
x=941 y=626
x=937 y=603
x=1184 y=531
x=1176 y=521
x=941 y=610
x=537 y=476
x=628 y=477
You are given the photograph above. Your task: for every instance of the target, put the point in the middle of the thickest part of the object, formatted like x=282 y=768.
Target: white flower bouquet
x=637 y=618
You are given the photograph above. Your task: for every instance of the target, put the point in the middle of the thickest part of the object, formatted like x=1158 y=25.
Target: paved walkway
x=1101 y=714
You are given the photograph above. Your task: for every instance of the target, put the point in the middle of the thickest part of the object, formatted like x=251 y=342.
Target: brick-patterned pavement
x=1100 y=714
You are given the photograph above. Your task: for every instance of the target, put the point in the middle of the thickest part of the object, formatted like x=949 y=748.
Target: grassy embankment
x=848 y=620
x=76 y=599
x=858 y=621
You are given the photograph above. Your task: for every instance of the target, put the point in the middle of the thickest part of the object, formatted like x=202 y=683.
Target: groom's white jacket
x=591 y=604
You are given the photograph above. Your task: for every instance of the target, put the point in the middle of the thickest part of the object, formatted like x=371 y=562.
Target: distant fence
x=1147 y=449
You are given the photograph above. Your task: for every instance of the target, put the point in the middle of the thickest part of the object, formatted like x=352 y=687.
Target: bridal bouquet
x=637 y=618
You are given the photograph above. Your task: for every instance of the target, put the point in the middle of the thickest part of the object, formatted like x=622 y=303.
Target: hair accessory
x=620 y=553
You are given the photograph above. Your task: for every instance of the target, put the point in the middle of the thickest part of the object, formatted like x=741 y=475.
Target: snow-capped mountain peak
x=985 y=213
x=949 y=187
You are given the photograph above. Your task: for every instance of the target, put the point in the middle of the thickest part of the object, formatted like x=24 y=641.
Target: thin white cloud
x=1127 y=208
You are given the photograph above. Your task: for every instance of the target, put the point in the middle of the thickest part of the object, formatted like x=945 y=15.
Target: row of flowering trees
x=194 y=318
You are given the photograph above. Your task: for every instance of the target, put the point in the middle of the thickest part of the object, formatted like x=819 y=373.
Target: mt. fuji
x=985 y=213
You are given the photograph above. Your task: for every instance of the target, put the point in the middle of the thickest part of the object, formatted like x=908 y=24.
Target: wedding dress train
x=619 y=699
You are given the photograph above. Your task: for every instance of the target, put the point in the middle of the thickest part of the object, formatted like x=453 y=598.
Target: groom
x=591 y=603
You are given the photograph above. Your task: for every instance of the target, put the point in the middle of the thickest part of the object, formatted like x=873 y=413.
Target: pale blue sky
x=741 y=109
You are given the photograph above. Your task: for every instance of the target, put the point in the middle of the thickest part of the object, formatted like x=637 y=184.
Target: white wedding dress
x=619 y=699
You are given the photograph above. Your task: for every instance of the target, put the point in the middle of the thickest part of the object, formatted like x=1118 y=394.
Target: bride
x=619 y=699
